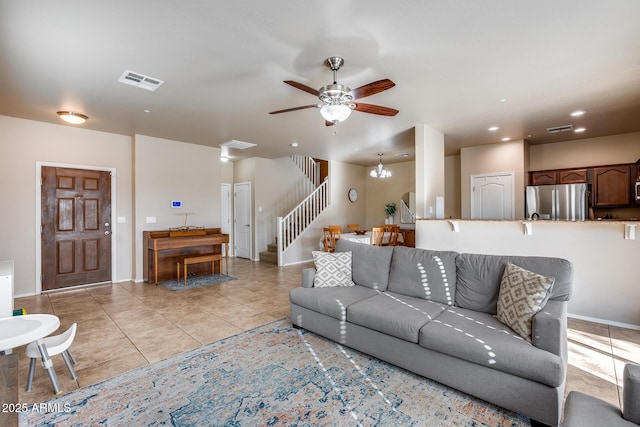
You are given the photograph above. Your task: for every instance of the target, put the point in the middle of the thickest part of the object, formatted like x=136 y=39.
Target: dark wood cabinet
x=572 y=176
x=542 y=178
x=612 y=186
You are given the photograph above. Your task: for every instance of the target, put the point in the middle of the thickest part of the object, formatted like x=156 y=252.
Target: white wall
x=605 y=286
x=429 y=146
x=170 y=170
x=25 y=142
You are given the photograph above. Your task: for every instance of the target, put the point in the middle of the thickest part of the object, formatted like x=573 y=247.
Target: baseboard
x=604 y=321
x=299 y=262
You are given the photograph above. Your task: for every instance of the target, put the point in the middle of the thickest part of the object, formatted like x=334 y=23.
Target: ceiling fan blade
x=305 y=88
x=294 y=109
x=372 y=88
x=375 y=109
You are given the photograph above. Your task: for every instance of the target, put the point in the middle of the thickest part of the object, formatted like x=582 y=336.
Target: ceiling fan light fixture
x=335 y=113
x=73 y=118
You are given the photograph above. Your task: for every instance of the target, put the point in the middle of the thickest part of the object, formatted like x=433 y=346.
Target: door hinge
x=41 y=229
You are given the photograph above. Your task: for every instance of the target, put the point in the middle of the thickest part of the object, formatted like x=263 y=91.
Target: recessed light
x=146 y=111
x=73 y=118
x=506 y=138
x=224 y=159
x=493 y=128
x=502 y=100
x=294 y=144
x=579 y=130
x=403 y=155
x=577 y=113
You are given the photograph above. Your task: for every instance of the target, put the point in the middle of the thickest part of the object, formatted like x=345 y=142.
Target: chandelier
x=380 y=171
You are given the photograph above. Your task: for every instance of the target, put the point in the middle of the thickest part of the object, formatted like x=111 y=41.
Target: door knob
x=106 y=224
x=106 y=233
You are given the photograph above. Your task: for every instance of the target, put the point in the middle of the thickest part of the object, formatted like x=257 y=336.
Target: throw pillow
x=523 y=293
x=332 y=269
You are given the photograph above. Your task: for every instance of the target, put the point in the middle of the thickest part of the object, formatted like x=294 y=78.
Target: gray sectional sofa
x=433 y=313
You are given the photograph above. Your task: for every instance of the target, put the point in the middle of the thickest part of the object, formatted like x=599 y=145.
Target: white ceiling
x=223 y=63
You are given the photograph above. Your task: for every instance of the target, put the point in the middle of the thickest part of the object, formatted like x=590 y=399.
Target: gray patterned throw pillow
x=523 y=293
x=332 y=269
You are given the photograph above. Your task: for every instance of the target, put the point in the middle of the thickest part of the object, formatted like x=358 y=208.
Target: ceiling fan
x=337 y=100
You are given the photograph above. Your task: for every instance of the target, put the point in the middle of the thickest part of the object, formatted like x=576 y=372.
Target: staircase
x=292 y=225
x=270 y=255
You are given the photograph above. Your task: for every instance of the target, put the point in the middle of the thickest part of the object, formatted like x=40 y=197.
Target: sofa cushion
x=332 y=269
x=479 y=277
x=423 y=274
x=480 y=338
x=330 y=301
x=394 y=314
x=523 y=293
x=369 y=265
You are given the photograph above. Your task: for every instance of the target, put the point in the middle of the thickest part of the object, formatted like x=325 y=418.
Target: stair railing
x=309 y=167
x=291 y=226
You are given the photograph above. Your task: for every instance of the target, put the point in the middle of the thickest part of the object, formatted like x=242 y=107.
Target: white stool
x=58 y=344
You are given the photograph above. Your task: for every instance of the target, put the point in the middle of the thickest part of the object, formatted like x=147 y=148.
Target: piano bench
x=197 y=259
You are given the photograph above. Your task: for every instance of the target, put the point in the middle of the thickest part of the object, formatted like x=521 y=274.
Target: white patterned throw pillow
x=332 y=269
x=523 y=293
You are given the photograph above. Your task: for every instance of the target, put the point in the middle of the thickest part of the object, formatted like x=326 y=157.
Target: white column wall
x=429 y=145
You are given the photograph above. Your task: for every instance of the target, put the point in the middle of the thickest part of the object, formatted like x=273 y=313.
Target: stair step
x=268 y=256
x=272 y=247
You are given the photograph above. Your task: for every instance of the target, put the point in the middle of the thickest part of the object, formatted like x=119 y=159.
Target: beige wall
x=605 y=284
x=170 y=170
x=452 y=190
x=379 y=192
x=608 y=150
x=493 y=158
x=25 y=142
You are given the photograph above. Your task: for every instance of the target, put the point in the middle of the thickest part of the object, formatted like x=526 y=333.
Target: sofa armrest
x=308 y=275
x=549 y=328
x=631 y=393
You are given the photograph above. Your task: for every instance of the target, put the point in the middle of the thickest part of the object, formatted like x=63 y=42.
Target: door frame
x=38 y=240
x=235 y=217
x=510 y=174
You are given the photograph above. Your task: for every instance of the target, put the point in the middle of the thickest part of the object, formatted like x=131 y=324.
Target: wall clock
x=353 y=195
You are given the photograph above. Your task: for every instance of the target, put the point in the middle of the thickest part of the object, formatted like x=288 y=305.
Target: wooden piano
x=161 y=249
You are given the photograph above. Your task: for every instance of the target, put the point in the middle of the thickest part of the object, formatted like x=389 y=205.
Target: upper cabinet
x=542 y=178
x=572 y=176
x=612 y=186
x=563 y=176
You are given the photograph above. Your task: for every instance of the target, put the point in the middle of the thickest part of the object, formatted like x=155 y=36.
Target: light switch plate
x=151 y=220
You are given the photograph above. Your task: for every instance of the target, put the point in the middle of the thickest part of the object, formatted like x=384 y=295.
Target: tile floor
x=127 y=325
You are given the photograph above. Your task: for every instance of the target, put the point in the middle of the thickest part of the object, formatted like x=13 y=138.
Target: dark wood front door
x=76 y=227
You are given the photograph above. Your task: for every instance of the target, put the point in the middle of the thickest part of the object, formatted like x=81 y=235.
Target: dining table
x=20 y=330
x=363 y=238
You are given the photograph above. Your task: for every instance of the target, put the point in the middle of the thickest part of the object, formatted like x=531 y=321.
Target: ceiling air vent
x=557 y=129
x=240 y=145
x=140 y=80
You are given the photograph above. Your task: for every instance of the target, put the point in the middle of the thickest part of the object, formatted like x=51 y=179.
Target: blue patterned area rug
x=196 y=281
x=273 y=375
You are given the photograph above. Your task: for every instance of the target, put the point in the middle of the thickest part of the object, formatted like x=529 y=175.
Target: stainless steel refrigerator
x=568 y=202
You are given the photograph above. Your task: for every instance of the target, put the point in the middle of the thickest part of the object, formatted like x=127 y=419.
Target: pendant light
x=380 y=171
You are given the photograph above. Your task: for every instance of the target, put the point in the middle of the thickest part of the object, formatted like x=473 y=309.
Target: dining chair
x=58 y=344
x=394 y=232
x=331 y=236
x=353 y=227
x=377 y=233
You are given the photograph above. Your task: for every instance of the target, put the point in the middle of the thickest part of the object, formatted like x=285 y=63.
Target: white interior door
x=242 y=212
x=492 y=196
x=225 y=214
